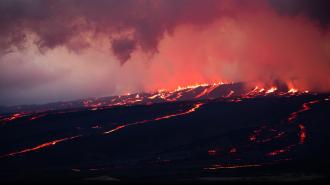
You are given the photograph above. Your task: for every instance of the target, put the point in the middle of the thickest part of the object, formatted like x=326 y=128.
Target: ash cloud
x=123 y=48
x=58 y=22
x=316 y=10
x=167 y=43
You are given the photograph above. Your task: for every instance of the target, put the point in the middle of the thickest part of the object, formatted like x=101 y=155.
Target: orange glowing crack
x=232 y=166
x=176 y=94
x=196 y=106
x=305 y=107
x=276 y=152
x=235 y=166
x=38 y=147
x=302 y=133
x=232 y=150
x=207 y=90
x=14 y=117
x=280 y=151
x=212 y=152
x=229 y=94
x=253 y=138
x=271 y=90
x=293 y=90
x=192 y=86
x=37 y=117
x=256 y=134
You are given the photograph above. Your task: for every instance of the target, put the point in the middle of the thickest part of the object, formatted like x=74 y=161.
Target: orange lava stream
x=229 y=94
x=271 y=90
x=212 y=152
x=305 y=107
x=196 y=106
x=37 y=117
x=38 y=147
x=280 y=151
x=235 y=166
x=176 y=94
x=233 y=150
x=208 y=90
x=232 y=166
x=302 y=133
x=13 y=117
x=256 y=133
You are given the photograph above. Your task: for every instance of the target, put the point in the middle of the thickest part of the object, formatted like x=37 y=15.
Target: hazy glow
x=252 y=44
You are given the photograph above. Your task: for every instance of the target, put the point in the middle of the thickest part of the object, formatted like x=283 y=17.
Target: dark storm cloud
x=186 y=42
x=56 y=22
x=144 y=22
x=123 y=48
x=317 y=10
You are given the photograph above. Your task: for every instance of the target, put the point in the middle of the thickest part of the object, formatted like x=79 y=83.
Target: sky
x=59 y=50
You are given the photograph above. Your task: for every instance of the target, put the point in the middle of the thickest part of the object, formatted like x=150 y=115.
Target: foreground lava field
x=203 y=132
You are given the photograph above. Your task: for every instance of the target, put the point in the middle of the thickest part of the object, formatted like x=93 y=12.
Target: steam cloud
x=183 y=42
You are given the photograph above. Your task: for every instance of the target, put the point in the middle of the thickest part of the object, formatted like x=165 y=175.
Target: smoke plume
x=66 y=49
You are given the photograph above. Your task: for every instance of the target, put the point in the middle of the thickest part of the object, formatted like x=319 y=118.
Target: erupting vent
x=233 y=91
x=184 y=124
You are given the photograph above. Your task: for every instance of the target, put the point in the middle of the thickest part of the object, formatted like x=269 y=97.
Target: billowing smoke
x=126 y=24
x=66 y=49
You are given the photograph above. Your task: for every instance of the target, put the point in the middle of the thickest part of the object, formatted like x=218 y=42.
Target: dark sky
x=66 y=49
x=316 y=10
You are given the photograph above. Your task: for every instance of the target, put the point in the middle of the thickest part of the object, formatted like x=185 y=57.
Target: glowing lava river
x=191 y=133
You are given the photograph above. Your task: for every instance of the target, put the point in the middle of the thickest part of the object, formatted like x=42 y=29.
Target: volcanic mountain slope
x=193 y=92
x=195 y=133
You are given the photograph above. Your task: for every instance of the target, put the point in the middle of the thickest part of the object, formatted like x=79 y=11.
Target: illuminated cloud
x=77 y=48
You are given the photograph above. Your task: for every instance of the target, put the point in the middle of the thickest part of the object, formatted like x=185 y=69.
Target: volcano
x=203 y=132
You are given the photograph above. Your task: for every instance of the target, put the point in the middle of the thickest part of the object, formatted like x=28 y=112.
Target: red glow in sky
x=152 y=45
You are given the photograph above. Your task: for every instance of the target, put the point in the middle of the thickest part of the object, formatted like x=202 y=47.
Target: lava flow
x=281 y=151
x=13 y=117
x=196 y=106
x=231 y=166
x=41 y=146
x=231 y=127
x=266 y=134
x=201 y=91
x=302 y=133
x=305 y=107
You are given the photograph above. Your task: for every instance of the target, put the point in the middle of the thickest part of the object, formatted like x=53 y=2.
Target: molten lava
x=231 y=166
x=41 y=146
x=271 y=90
x=13 y=117
x=198 y=96
x=193 y=109
x=302 y=133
